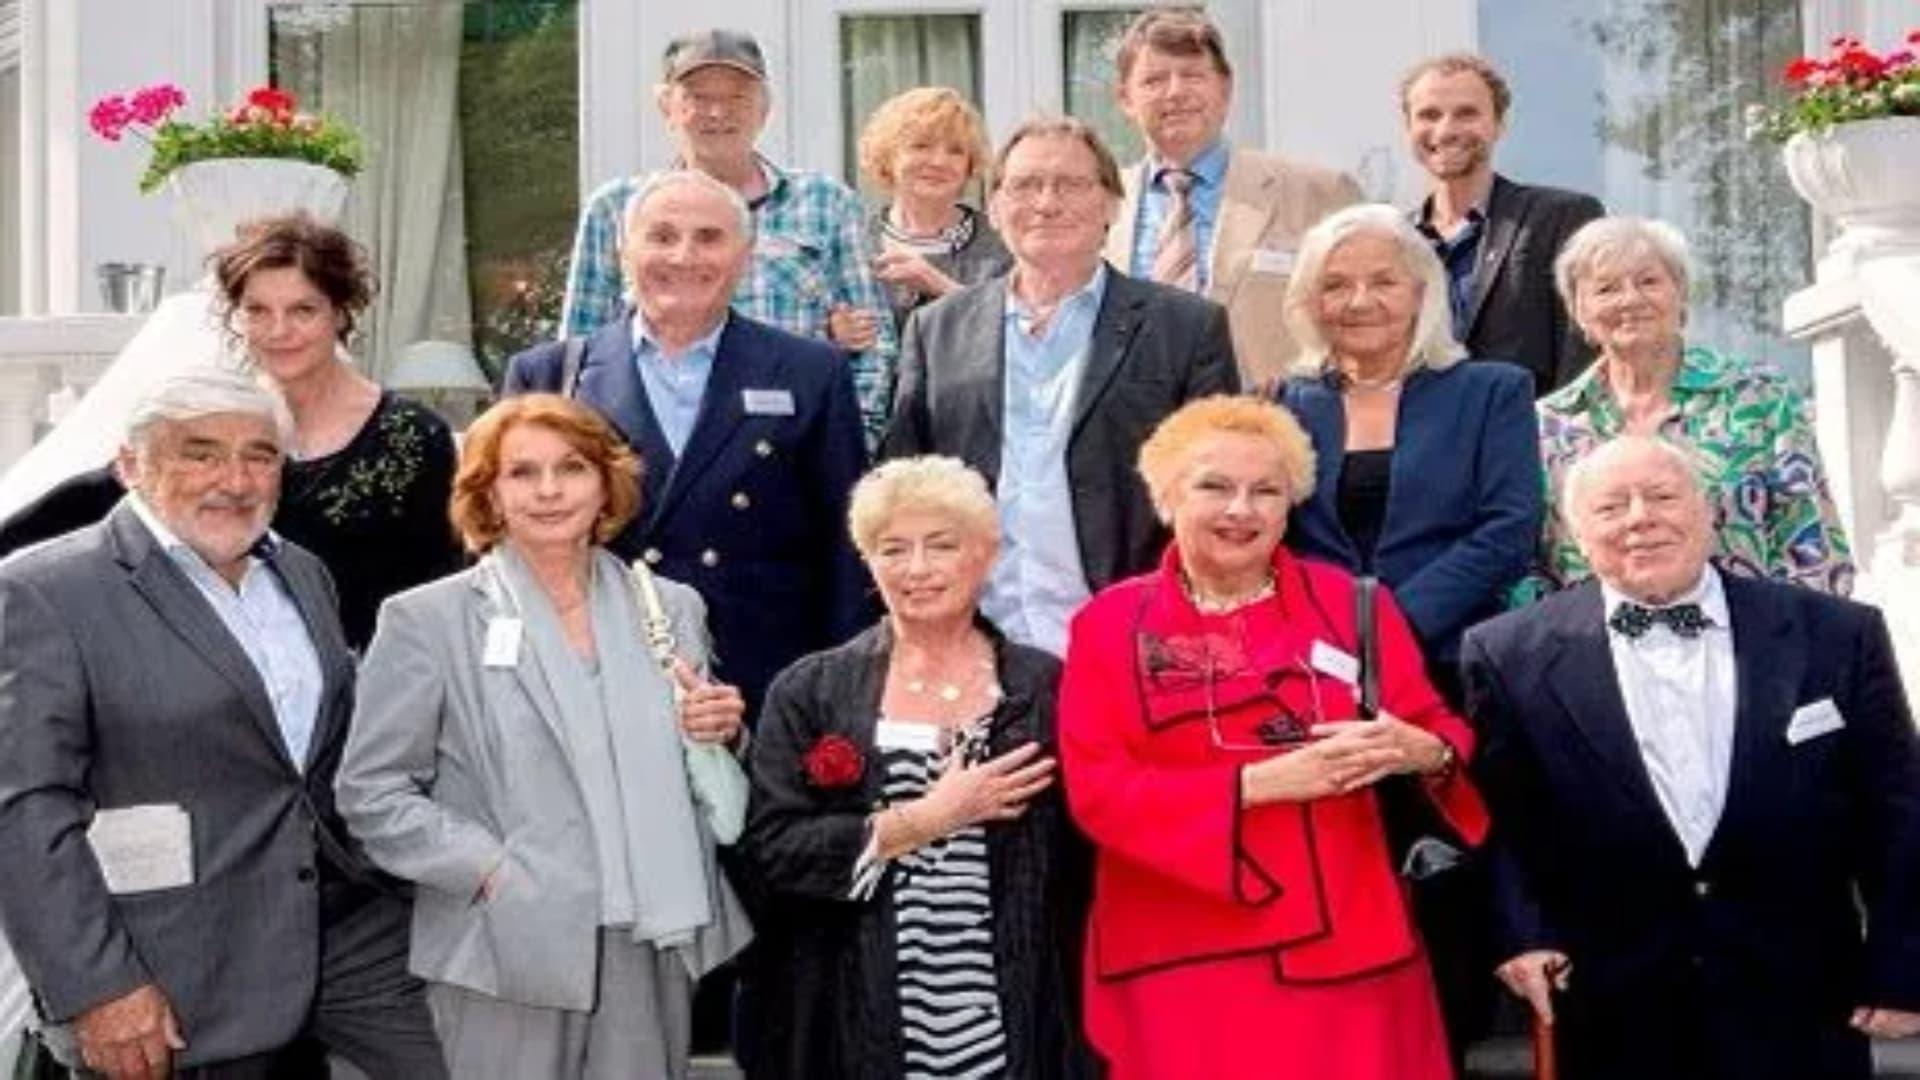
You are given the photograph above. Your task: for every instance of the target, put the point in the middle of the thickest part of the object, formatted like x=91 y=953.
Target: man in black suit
x=1048 y=378
x=749 y=436
x=1497 y=239
x=1701 y=785
x=174 y=696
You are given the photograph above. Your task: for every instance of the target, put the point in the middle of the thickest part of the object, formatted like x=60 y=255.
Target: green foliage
x=321 y=141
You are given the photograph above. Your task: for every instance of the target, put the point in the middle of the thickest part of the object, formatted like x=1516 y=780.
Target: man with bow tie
x=1706 y=796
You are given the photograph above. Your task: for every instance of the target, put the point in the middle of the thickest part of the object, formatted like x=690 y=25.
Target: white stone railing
x=1862 y=316
x=47 y=361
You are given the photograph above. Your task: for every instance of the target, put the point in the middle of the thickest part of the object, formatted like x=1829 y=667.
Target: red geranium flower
x=276 y=102
x=152 y=104
x=109 y=117
x=1799 y=71
x=833 y=763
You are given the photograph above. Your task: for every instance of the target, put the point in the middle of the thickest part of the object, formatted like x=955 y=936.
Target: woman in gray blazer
x=516 y=751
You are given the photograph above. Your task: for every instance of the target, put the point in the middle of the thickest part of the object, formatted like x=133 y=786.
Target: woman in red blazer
x=1247 y=921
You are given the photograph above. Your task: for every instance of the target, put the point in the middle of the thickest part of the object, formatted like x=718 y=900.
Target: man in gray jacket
x=174 y=695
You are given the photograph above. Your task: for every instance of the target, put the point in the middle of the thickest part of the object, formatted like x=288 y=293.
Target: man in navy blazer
x=1706 y=795
x=749 y=436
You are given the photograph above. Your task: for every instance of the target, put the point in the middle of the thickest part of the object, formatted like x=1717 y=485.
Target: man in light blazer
x=1048 y=378
x=174 y=695
x=1497 y=239
x=1706 y=797
x=1244 y=209
x=749 y=437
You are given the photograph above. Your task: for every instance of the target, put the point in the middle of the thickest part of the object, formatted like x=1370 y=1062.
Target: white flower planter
x=1863 y=176
x=213 y=198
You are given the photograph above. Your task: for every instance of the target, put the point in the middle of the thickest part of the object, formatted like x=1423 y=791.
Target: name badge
x=503 y=643
x=767 y=402
x=1337 y=662
x=1272 y=261
x=896 y=735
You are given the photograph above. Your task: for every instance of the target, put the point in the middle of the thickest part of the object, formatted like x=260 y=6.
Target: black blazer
x=1516 y=315
x=753 y=514
x=1154 y=349
x=1748 y=965
x=823 y=974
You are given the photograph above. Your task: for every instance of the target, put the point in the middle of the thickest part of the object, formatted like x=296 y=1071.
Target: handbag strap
x=653 y=616
x=1367 y=630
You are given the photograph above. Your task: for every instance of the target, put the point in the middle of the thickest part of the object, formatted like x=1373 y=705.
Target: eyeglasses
x=1029 y=188
x=207 y=460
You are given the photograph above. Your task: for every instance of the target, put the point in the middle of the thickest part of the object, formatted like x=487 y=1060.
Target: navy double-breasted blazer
x=753 y=512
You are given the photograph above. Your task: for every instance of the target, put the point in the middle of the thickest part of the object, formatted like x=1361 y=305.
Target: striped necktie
x=1176 y=256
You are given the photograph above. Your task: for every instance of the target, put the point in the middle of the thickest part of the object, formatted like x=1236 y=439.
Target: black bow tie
x=1633 y=619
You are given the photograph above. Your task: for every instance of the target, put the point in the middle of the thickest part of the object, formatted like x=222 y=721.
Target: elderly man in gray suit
x=1048 y=378
x=174 y=694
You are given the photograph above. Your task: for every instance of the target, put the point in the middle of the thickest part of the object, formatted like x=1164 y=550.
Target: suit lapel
x=1119 y=248
x=1506 y=208
x=610 y=381
x=1245 y=208
x=1580 y=674
x=736 y=367
x=1113 y=333
x=1767 y=674
x=496 y=601
x=974 y=376
x=178 y=603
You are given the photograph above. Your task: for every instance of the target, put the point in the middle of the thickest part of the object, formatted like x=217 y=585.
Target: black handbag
x=1419 y=840
x=35 y=1061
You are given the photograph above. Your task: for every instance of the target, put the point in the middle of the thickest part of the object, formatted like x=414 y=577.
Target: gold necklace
x=951 y=692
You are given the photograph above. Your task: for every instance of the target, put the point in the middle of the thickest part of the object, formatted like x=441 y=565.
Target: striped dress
x=943 y=934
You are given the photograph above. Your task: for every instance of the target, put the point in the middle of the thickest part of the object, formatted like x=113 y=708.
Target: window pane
x=1090 y=39
x=882 y=55
x=468 y=116
x=1641 y=102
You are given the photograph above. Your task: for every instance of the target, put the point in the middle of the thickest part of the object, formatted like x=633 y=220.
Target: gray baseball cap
x=705 y=48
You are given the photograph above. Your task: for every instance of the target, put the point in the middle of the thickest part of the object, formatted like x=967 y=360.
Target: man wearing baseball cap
x=809 y=272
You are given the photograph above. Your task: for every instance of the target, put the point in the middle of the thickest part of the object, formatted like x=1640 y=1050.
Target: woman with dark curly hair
x=369 y=472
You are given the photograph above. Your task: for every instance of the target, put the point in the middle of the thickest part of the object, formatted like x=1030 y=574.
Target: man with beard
x=174 y=695
x=1497 y=239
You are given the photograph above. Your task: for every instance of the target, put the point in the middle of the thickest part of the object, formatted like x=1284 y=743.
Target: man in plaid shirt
x=809 y=273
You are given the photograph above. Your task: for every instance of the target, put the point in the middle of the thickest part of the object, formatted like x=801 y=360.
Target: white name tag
x=142 y=848
x=503 y=643
x=899 y=735
x=1331 y=660
x=1272 y=261
x=767 y=402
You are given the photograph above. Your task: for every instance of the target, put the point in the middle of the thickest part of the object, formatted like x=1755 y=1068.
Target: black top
x=375 y=511
x=1365 y=478
x=974 y=253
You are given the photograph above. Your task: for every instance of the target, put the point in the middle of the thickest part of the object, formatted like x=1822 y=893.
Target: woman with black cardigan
x=923 y=892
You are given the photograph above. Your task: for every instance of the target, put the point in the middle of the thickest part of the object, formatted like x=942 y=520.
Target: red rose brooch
x=833 y=763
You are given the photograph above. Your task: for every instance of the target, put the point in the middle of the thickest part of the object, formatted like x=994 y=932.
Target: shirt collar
x=775 y=177
x=1090 y=293
x=266 y=547
x=706 y=344
x=1700 y=370
x=1209 y=166
x=1708 y=592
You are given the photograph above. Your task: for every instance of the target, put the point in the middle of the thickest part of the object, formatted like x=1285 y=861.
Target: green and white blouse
x=1752 y=431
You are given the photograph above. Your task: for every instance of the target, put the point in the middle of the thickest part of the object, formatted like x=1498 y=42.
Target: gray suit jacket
x=454 y=768
x=119 y=686
x=1154 y=349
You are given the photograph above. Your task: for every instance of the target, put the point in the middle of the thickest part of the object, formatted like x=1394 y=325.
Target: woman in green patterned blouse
x=1624 y=280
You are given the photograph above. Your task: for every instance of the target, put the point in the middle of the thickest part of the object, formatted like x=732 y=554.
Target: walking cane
x=1545 y=1066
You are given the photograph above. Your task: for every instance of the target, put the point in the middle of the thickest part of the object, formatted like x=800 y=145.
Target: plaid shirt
x=809 y=253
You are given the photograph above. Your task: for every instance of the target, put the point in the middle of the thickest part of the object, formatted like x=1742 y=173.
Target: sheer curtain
x=1642 y=102
x=392 y=71
x=883 y=55
x=1090 y=40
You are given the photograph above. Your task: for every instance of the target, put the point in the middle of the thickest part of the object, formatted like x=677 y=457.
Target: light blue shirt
x=267 y=624
x=674 y=384
x=1038 y=583
x=1209 y=169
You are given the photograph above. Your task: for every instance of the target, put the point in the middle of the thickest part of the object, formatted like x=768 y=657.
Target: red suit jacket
x=1162 y=706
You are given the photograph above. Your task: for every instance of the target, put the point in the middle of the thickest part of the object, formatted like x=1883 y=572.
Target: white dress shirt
x=266 y=623
x=1680 y=697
